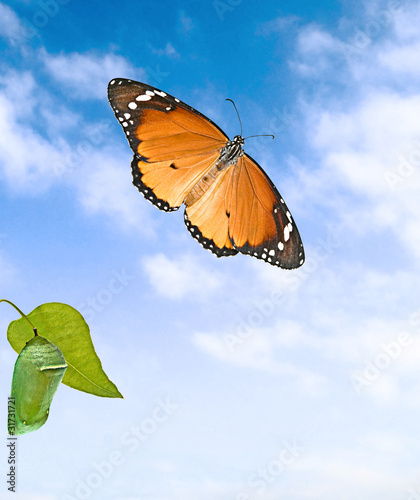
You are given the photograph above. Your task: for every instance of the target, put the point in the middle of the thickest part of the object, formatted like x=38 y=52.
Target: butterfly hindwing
x=206 y=216
x=260 y=224
x=146 y=191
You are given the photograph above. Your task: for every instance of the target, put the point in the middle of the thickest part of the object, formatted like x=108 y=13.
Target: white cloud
x=104 y=184
x=181 y=277
x=168 y=51
x=27 y=158
x=314 y=41
x=38 y=149
x=343 y=333
x=277 y=26
x=186 y=23
x=11 y=27
x=406 y=21
x=365 y=150
x=384 y=442
x=403 y=60
x=315 y=48
x=263 y=349
x=350 y=471
x=88 y=74
x=366 y=144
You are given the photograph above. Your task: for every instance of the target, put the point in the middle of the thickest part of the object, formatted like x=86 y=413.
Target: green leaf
x=65 y=327
x=38 y=372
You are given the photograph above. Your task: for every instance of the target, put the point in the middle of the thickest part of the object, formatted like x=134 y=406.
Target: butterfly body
x=228 y=156
x=181 y=156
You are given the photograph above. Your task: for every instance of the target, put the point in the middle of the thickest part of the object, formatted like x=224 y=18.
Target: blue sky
x=240 y=380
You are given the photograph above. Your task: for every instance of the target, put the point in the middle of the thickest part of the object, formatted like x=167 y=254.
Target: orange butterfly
x=181 y=156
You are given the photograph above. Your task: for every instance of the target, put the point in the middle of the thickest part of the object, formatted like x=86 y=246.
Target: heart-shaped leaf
x=65 y=327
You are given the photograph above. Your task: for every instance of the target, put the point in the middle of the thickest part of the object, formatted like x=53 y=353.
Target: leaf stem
x=22 y=314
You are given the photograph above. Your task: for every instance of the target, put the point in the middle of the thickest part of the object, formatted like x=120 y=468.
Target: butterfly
x=181 y=156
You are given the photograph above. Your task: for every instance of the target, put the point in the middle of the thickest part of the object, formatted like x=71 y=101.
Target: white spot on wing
x=143 y=97
x=150 y=93
x=159 y=92
x=127 y=116
x=286 y=233
x=132 y=105
x=280 y=245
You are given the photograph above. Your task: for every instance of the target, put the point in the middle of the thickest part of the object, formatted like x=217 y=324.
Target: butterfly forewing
x=174 y=145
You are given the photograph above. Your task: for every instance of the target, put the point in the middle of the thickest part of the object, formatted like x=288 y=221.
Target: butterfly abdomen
x=229 y=155
x=203 y=184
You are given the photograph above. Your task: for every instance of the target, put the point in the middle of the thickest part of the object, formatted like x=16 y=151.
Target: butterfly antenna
x=260 y=135
x=239 y=118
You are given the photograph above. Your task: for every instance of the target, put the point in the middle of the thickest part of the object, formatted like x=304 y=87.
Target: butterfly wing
x=260 y=224
x=207 y=218
x=174 y=145
x=242 y=211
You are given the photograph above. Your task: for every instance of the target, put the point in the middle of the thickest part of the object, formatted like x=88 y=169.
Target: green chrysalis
x=37 y=375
